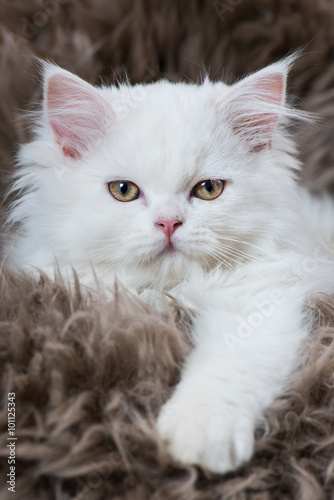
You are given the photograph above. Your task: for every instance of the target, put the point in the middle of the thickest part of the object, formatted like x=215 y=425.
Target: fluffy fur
x=294 y=458
x=166 y=138
x=90 y=378
x=231 y=260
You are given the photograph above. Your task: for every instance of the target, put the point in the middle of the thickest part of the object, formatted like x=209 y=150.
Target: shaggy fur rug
x=89 y=376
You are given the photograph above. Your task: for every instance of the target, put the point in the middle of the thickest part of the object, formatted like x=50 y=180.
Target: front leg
x=243 y=358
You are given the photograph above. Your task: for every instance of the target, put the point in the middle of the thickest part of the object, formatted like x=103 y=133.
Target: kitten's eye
x=209 y=189
x=124 y=190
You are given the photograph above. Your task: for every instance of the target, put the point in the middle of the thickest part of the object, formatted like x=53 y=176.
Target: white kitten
x=189 y=188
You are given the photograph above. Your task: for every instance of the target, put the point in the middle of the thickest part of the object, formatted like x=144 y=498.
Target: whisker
x=220 y=257
x=235 y=252
x=252 y=245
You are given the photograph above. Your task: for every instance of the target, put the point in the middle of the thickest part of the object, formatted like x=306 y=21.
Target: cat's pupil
x=208 y=186
x=123 y=187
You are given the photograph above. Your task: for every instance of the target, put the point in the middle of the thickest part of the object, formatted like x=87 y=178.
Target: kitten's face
x=150 y=184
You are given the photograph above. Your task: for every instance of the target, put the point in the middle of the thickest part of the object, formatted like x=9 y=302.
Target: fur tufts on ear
x=256 y=104
x=76 y=111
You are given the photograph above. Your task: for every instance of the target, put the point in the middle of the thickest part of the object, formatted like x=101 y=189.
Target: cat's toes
x=217 y=439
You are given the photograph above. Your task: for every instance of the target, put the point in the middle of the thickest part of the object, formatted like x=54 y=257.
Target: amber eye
x=124 y=190
x=209 y=189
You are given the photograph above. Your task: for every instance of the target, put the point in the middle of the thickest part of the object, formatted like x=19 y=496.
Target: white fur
x=245 y=262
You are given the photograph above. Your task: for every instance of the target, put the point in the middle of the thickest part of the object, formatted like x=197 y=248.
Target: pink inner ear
x=255 y=107
x=76 y=112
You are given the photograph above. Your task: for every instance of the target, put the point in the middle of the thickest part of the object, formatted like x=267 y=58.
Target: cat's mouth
x=169 y=249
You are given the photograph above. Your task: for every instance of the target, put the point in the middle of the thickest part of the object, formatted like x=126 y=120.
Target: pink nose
x=168 y=226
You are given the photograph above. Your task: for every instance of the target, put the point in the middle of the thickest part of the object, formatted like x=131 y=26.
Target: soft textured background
x=90 y=377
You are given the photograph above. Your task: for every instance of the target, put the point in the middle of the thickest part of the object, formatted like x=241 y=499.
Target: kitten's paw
x=218 y=438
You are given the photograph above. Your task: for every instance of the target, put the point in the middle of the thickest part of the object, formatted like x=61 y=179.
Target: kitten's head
x=148 y=179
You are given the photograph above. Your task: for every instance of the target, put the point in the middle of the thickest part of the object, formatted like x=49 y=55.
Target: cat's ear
x=256 y=104
x=76 y=111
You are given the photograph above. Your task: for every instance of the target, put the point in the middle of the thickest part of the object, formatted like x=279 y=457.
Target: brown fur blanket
x=89 y=376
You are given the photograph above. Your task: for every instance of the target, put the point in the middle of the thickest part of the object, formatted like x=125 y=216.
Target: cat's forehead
x=166 y=133
x=171 y=100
